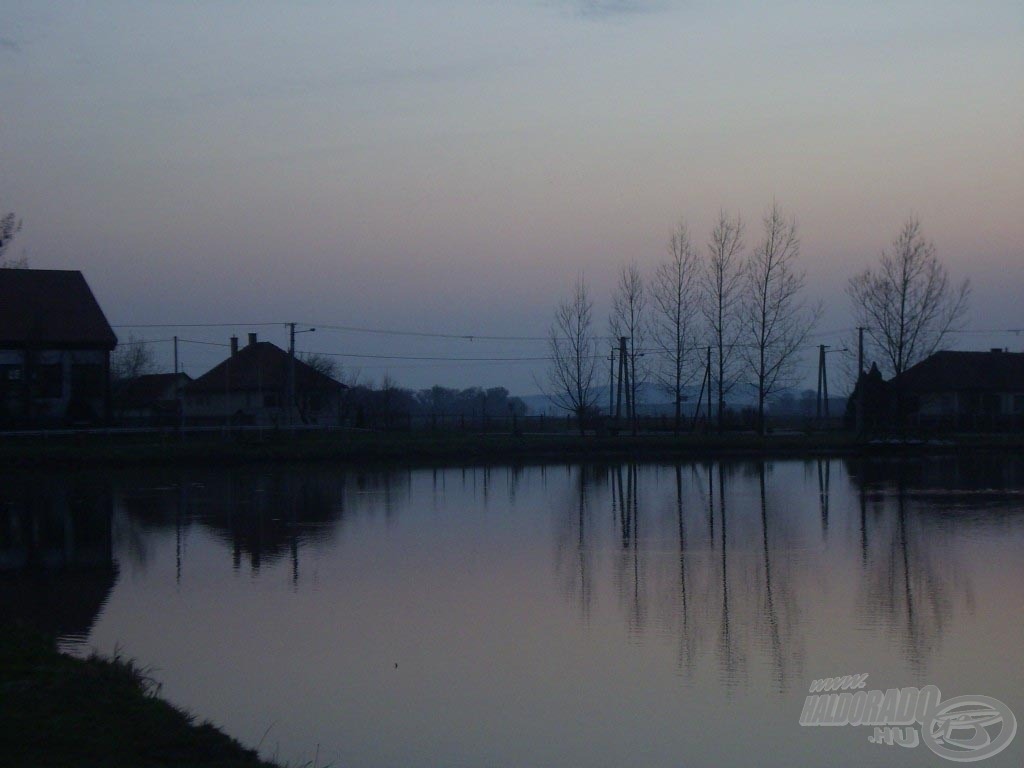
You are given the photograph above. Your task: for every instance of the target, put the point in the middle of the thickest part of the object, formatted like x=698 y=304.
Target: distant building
x=55 y=345
x=950 y=390
x=252 y=387
x=964 y=390
x=150 y=400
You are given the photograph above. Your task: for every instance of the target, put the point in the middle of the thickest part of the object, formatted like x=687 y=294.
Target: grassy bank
x=56 y=710
x=427 y=448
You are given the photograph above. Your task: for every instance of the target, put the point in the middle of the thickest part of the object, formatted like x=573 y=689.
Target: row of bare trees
x=10 y=225
x=747 y=312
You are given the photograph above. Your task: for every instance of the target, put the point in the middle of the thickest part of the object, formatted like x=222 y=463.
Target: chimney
x=252 y=339
x=234 y=346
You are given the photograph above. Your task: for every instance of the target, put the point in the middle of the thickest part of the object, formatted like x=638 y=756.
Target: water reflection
x=56 y=555
x=709 y=582
x=912 y=578
x=261 y=516
x=716 y=554
x=746 y=563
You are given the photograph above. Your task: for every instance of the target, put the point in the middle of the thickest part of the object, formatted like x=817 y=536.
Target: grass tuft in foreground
x=56 y=710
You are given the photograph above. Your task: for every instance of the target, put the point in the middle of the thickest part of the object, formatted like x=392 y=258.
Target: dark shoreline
x=58 y=710
x=98 y=451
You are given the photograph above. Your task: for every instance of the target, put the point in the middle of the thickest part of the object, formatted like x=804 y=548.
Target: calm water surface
x=617 y=615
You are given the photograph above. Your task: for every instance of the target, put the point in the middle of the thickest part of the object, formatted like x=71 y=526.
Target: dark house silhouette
x=879 y=408
x=949 y=390
x=55 y=345
x=149 y=400
x=252 y=387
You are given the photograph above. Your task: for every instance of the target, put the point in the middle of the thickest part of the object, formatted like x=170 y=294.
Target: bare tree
x=676 y=291
x=131 y=359
x=10 y=225
x=908 y=305
x=629 y=319
x=573 y=351
x=322 y=363
x=722 y=290
x=776 y=319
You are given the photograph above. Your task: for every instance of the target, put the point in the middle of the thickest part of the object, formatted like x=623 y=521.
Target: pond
x=594 y=615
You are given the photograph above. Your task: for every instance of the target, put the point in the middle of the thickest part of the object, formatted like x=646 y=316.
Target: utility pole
x=611 y=382
x=177 y=392
x=705 y=381
x=292 y=402
x=860 y=379
x=708 y=374
x=630 y=405
x=821 y=370
x=291 y=371
x=623 y=376
x=822 y=399
x=824 y=380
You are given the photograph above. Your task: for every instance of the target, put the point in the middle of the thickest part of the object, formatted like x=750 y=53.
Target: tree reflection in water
x=913 y=580
x=727 y=562
x=747 y=560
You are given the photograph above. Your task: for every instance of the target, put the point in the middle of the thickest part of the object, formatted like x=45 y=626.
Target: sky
x=452 y=167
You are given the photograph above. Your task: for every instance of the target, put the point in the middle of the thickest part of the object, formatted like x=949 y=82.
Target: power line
x=435 y=357
x=427 y=334
x=137 y=342
x=192 y=325
x=1015 y=331
x=204 y=343
x=349 y=328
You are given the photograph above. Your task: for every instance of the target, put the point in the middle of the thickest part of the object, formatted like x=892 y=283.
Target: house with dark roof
x=963 y=390
x=55 y=345
x=261 y=384
x=151 y=400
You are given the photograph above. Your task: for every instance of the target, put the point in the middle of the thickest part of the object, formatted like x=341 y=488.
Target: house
x=252 y=387
x=150 y=400
x=55 y=345
x=964 y=390
x=951 y=390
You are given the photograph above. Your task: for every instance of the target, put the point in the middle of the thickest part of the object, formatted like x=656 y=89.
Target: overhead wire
x=436 y=361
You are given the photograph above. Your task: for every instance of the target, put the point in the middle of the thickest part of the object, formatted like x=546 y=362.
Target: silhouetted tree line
x=392 y=407
x=725 y=315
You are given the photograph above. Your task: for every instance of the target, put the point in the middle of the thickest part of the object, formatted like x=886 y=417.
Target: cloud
x=7 y=44
x=601 y=9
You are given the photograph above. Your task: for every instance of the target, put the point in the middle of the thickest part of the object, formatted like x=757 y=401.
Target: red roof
x=50 y=308
x=995 y=371
x=261 y=367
